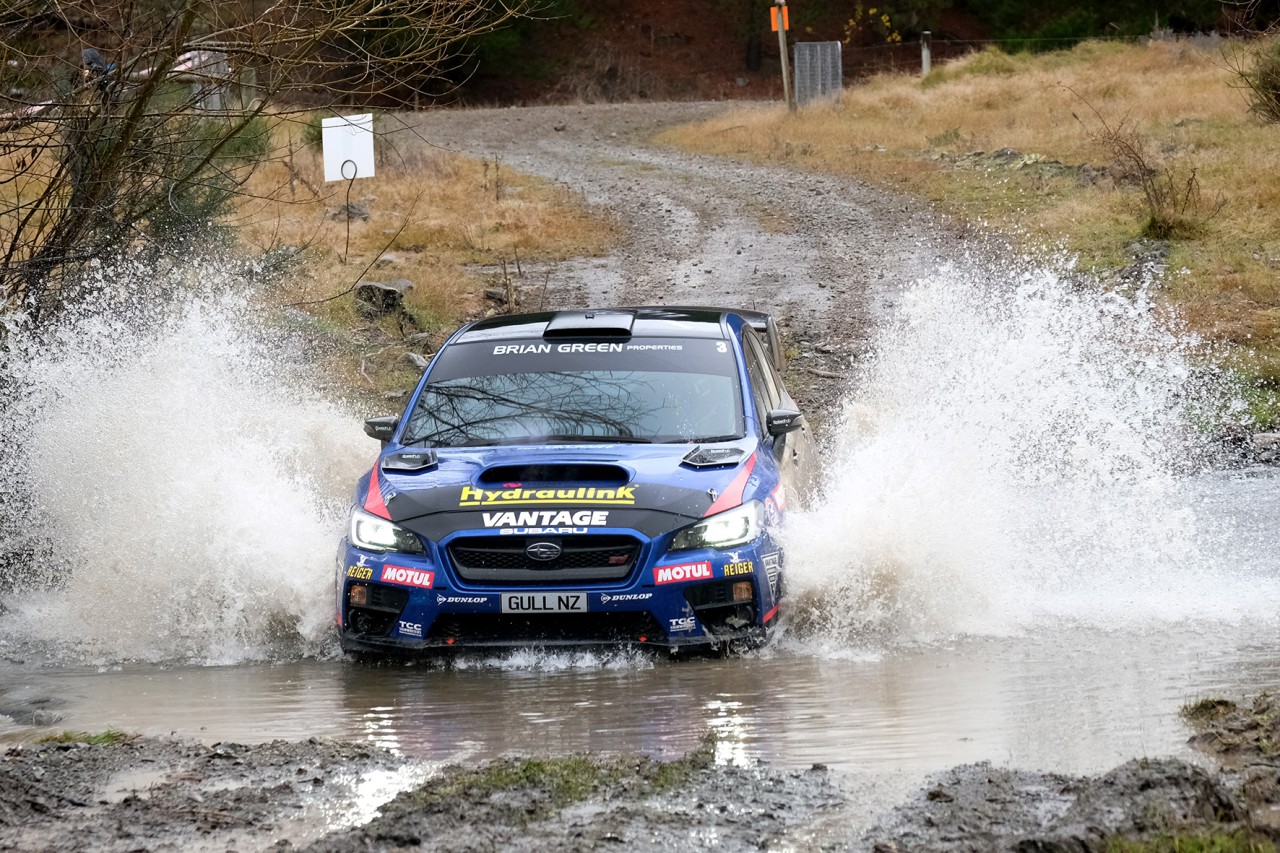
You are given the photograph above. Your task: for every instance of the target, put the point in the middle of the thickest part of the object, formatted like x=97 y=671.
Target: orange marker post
x=781 y=22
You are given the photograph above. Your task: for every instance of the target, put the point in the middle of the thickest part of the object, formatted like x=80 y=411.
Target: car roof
x=644 y=321
x=640 y=322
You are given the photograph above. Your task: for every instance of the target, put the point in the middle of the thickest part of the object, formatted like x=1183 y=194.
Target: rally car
x=610 y=476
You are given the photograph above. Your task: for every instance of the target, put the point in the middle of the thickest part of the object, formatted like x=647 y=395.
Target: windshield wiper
x=707 y=439
x=470 y=442
x=593 y=439
x=558 y=438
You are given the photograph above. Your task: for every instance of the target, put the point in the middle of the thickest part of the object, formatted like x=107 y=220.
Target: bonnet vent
x=613 y=475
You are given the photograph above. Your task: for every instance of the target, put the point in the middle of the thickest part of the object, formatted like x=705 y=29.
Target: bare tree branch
x=127 y=124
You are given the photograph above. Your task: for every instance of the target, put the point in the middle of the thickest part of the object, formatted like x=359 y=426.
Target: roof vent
x=590 y=324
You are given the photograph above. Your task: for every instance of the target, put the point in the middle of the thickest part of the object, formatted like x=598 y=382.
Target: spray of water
x=181 y=484
x=1015 y=452
x=1019 y=449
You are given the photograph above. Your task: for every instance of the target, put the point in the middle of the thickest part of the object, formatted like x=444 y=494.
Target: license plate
x=544 y=602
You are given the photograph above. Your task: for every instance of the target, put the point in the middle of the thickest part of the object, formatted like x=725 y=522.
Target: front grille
x=502 y=561
x=567 y=628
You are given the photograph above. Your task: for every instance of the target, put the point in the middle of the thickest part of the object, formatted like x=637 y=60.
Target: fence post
x=926 y=53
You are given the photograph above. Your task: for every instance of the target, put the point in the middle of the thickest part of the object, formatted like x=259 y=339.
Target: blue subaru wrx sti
x=613 y=476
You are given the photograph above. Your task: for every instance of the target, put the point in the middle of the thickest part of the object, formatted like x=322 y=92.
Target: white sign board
x=348 y=147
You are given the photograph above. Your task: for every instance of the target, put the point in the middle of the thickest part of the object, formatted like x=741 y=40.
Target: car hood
x=559 y=489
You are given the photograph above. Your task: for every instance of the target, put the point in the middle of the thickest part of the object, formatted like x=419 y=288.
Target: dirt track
x=825 y=255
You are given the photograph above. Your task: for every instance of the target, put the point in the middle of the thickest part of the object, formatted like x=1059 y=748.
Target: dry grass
x=443 y=221
x=1183 y=105
x=432 y=215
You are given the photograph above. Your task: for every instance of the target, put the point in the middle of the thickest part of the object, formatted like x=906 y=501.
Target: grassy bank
x=1115 y=152
x=445 y=222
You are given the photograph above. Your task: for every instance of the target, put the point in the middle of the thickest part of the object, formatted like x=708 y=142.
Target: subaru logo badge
x=542 y=551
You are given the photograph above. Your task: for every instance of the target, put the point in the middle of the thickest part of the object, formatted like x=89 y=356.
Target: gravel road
x=825 y=255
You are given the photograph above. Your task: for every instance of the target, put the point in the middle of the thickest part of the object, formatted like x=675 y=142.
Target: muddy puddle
x=1070 y=700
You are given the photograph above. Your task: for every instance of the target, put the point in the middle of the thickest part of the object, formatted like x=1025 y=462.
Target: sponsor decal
x=657 y=347
x=461 y=599
x=684 y=572
x=515 y=495
x=606 y=597
x=741 y=567
x=683 y=623
x=547 y=518
x=360 y=573
x=772 y=568
x=408 y=577
x=541 y=531
x=411 y=629
x=543 y=349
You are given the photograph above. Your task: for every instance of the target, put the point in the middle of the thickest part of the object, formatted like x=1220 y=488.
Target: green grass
x=563 y=780
x=1263 y=407
x=1239 y=841
x=1207 y=710
x=103 y=738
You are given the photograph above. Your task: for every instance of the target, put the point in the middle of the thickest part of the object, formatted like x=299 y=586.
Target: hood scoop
x=555 y=473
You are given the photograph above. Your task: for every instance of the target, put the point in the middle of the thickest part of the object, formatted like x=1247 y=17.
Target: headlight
x=377 y=534
x=731 y=527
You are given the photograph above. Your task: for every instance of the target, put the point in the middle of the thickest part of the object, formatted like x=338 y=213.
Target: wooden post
x=926 y=53
x=780 y=21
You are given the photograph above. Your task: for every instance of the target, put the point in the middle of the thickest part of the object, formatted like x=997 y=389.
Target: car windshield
x=512 y=392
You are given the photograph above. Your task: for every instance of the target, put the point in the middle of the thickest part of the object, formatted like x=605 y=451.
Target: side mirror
x=781 y=421
x=382 y=428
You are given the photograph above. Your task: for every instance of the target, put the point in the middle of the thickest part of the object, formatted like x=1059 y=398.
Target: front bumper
x=705 y=598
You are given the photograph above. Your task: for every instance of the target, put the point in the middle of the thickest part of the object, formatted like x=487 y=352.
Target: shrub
x=1263 y=82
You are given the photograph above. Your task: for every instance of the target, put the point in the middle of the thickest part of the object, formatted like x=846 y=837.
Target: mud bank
x=155 y=794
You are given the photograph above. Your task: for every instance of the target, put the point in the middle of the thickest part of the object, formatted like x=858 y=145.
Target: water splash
x=186 y=481
x=1018 y=450
x=548 y=661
